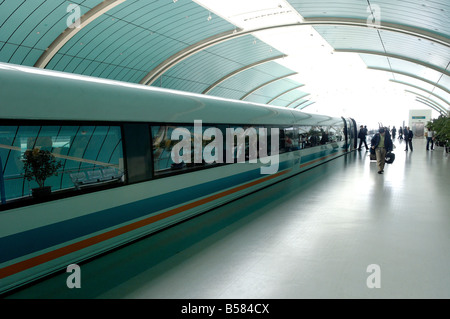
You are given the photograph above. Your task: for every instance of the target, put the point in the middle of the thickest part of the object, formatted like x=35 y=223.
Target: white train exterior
x=117 y=181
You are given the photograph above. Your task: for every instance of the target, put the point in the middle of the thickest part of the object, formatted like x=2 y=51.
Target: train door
x=346 y=134
x=351 y=142
x=354 y=134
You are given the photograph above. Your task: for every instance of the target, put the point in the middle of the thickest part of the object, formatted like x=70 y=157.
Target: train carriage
x=117 y=178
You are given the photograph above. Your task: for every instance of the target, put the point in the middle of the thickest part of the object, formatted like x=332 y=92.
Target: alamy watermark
x=374 y=19
x=257 y=146
x=74 y=19
x=74 y=280
x=374 y=279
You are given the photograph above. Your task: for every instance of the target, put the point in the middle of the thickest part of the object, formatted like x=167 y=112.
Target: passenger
x=324 y=139
x=408 y=138
x=388 y=133
x=314 y=140
x=394 y=131
x=400 y=133
x=288 y=144
x=362 y=137
x=430 y=138
x=382 y=144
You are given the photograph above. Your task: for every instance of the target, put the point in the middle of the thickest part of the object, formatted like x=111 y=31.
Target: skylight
x=339 y=83
x=253 y=14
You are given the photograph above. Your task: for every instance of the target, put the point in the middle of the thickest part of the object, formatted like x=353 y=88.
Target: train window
x=183 y=147
x=289 y=139
x=62 y=157
x=324 y=135
x=241 y=144
x=310 y=136
x=336 y=133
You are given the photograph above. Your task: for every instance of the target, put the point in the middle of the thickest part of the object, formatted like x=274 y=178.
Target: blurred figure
x=430 y=138
x=362 y=137
x=382 y=144
x=408 y=138
x=394 y=131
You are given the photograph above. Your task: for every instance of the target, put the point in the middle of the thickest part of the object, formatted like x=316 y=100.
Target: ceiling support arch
x=308 y=103
x=232 y=34
x=441 y=109
x=296 y=100
x=387 y=26
x=178 y=57
x=71 y=31
x=285 y=92
x=301 y=103
x=265 y=84
x=422 y=89
x=429 y=104
x=411 y=75
x=395 y=56
x=246 y=67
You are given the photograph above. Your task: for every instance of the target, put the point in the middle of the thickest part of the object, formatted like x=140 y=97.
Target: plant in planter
x=441 y=126
x=40 y=165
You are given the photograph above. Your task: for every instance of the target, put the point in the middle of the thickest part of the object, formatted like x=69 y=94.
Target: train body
x=116 y=178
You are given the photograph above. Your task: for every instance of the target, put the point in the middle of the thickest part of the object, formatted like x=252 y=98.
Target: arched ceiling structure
x=203 y=47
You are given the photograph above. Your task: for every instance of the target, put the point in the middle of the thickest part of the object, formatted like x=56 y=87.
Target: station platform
x=339 y=230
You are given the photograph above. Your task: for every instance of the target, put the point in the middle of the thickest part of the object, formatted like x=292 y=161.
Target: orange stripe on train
x=60 y=252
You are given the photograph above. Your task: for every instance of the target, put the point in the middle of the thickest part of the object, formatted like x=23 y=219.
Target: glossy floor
x=316 y=235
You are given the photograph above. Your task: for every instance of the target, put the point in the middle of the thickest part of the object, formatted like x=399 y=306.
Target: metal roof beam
x=289 y=105
x=306 y=105
x=246 y=67
x=410 y=75
x=440 y=107
x=301 y=103
x=267 y=83
x=388 y=26
x=232 y=34
x=72 y=30
x=285 y=92
x=427 y=103
x=419 y=88
x=178 y=57
x=395 y=56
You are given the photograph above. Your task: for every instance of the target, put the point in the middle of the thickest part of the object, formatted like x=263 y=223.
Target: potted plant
x=39 y=165
x=441 y=126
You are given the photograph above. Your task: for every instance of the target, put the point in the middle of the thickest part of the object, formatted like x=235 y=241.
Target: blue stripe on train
x=20 y=244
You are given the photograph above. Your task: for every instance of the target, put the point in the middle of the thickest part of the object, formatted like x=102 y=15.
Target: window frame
x=67 y=192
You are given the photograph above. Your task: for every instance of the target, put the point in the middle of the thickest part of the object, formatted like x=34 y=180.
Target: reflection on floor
x=331 y=232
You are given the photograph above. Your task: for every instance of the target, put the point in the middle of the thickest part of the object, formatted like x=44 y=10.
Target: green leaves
x=39 y=165
x=441 y=126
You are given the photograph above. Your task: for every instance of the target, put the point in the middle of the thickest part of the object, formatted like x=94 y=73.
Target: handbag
x=390 y=157
x=373 y=156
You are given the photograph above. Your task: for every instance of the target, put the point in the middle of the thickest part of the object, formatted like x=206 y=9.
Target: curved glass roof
x=213 y=47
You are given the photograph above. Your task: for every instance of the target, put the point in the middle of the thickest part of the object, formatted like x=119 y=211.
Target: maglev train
x=88 y=164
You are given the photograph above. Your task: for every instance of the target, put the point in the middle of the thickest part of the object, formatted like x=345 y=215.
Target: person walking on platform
x=382 y=144
x=430 y=138
x=408 y=138
x=394 y=130
x=362 y=137
x=400 y=133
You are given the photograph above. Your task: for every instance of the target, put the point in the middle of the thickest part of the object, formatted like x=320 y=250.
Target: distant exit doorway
x=418 y=129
